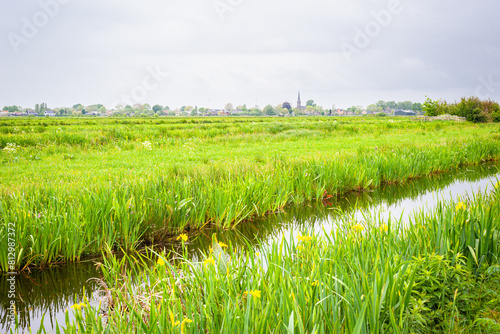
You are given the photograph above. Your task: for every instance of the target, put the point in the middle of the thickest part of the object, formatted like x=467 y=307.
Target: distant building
x=49 y=113
x=31 y=113
x=299 y=104
x=399 y=112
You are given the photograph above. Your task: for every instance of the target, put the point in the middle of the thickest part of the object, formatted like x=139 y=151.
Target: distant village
x=381 y=108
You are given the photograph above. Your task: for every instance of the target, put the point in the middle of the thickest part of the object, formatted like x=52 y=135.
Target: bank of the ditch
x=438 y=274
x=56 y=223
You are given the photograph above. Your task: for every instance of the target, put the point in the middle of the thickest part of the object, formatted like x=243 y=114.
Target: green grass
x=437 y=273
x=73 y=187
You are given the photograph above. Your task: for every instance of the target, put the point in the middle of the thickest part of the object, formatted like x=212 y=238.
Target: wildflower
x=78 y=306
x=304 y=238
x=300 y=248
x=183 y=323
x=358 y=228
x=315 y=283
x=160 y=262
x=208 y=261
x=384 y=228
x=222 y=245
x=183 y=236
x=255 y=293
x=460 y=205
x=172 y=319
x=497 y=185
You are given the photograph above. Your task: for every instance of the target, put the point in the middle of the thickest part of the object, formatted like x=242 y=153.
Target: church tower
x=299 y=105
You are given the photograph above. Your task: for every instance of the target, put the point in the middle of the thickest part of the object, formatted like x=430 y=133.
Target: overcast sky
x=206 y=53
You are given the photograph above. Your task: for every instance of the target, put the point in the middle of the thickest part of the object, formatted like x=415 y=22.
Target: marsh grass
x=363 y=277
x=97 y=184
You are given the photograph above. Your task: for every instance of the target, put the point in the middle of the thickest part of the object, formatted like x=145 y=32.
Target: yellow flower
x=78 y=306
x=497 y=185
x=222 y=245
x=160 y=262
x=255 y=293
x=358 y=227
x=172 y=319
x=183 y=323
x=183 y=236
x=315 y=283
x=300 y=248
x=461 y=205
x=384 y=228
x=208 y=261
x=304 y=238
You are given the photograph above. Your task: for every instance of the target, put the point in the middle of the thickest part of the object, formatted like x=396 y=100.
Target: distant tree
x=284 y=111
x=405 y=105
x=229 y=107
x=391 y=104
x=287 y=105
x=244 y=108
x=310 y=103
x=269 y=110
x=147 y=106
x=381 y=104
x=372 y=107
x=83 y=112
x=11 y=108
x=102 y=109
x=194 y=112
x=37 y=108
x=430 y=107
x=416 y=107
x=183 y=108
x=157 y=108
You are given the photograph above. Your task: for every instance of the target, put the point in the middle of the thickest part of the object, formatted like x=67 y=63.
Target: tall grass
x=93 y=195
x=363 y=277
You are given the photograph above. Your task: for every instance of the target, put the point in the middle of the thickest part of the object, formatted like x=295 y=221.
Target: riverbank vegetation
x=436 y=273
x=472 y=109
x=74 y=187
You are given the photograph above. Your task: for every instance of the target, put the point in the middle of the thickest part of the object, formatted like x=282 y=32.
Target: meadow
x=76 y=187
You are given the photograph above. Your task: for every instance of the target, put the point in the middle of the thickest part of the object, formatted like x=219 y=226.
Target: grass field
x=72 y=187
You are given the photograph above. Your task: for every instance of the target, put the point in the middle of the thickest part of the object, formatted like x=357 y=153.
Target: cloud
x=257 y=52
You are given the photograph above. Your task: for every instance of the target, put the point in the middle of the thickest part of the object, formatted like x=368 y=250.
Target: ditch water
x=44 y=295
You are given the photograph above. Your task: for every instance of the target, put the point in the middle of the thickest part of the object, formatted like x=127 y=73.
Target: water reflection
x=52 y=291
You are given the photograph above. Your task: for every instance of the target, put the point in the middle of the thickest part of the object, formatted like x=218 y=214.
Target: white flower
x=10 y=148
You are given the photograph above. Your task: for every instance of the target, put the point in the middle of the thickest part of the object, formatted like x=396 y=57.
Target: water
x=46 y=294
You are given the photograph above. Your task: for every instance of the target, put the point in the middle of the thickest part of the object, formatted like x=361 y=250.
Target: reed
x=372 y=276
x=72 y=187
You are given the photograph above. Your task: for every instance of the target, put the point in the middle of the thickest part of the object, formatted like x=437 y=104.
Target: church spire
x=299 y=105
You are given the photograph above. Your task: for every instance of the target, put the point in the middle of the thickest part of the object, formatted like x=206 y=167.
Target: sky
x=207 y=53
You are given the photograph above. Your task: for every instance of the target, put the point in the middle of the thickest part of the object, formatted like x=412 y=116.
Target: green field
x=73 y=187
